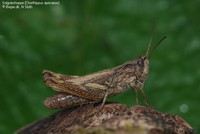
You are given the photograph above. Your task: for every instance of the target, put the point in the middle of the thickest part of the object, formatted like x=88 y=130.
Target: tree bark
x=113 y=118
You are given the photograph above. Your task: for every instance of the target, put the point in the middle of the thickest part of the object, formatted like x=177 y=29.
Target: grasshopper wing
x=88 y=86
x=49 y=74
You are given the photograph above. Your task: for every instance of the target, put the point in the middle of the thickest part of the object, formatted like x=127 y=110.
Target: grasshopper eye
x=140 y=62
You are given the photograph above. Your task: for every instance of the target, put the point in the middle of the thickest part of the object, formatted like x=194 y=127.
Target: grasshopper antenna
x=151 y=38
x=150 y=52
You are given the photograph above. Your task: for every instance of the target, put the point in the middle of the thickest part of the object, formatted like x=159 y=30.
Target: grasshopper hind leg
x=64 y=100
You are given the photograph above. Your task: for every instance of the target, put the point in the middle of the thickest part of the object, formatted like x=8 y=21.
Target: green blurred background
x=80 y=37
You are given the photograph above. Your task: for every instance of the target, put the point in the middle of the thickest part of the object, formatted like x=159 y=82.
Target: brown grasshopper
x=96 y=87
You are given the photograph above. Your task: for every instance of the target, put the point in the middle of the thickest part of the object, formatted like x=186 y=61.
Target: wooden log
x=113 y=118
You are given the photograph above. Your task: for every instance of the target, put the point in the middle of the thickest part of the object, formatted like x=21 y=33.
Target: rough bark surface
x=113 y=118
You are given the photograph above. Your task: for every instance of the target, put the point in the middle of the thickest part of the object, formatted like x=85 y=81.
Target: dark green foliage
x=81 y=37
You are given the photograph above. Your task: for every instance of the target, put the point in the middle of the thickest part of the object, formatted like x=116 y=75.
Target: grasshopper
x=96 y=87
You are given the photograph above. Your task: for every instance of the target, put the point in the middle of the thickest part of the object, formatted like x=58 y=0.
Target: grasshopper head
x=142 y=70
x=137 y=69
x=142 y=65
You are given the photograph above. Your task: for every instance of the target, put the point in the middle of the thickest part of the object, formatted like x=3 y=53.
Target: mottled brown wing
x=49 y=74
x=83 y=86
